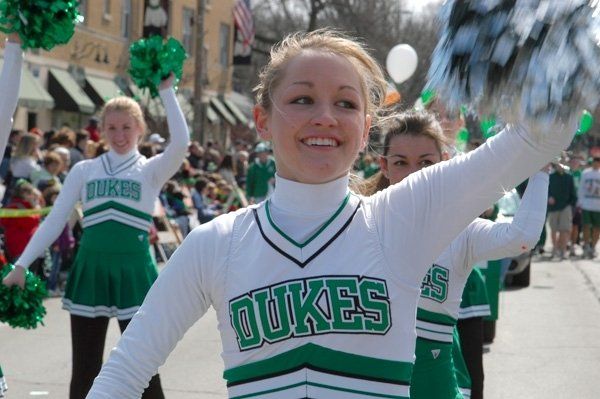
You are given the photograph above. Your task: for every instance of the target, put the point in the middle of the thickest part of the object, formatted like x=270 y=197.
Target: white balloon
x=401 y=62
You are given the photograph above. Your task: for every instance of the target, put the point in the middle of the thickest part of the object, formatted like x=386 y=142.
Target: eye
x=346 y=104
x=425 y=163
x=303 y=100
x=400 y=162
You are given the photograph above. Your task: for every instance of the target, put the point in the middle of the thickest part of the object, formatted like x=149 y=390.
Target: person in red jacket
x=19 y=230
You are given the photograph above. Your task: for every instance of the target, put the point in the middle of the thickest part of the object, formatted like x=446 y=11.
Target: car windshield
x=509 y=203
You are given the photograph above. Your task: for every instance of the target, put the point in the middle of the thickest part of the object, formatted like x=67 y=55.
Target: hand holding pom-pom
x=21 y=303
x=40 y=23
x=532 y=61
x=153 y=61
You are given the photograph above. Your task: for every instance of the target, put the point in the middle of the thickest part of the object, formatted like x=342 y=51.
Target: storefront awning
x=222 y=110
x=68 y=95
x=239 y=115
x=31 y=93
x=100 y=90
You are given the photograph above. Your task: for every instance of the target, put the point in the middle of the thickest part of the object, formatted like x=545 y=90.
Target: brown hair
x=124 y=104
x=28 y=143
x=328 y=41
x=52 y=157
x=409 y=123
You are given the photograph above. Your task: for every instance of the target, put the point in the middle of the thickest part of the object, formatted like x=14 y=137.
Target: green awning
x=239 y=115
x=100 y=90
x=222 y=110
x=68 y=95
x=31 y=93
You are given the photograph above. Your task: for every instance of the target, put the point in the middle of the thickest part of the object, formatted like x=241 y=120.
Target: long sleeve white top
x=149 y=174
x=396 y=236
x=10 y=82
x=482 y=240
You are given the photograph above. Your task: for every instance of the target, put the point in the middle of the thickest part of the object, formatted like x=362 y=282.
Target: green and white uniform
x=442 y=288
x=113 y=269
x=475 y=303
x=316 y=294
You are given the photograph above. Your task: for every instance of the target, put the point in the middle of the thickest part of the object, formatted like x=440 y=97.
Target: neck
x=309 y=199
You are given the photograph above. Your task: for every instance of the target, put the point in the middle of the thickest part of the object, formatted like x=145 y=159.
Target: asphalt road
x=547 y=345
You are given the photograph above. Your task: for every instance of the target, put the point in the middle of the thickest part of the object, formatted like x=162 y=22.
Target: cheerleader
x=414 y=141
x=113 y=269
x=316 y=288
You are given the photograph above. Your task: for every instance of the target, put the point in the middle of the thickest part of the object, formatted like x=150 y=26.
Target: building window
x=106 y=7
x=83 y=10
x=188 y=30
x=224 y=39
x=126 y=19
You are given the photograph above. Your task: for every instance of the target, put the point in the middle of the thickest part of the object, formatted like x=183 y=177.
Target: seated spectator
x=52 y=165
x=19 y=230
x=177 y=209
x=61 y=250
x=205 y=211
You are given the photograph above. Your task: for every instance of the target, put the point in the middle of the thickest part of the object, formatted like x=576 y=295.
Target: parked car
x=519 y=269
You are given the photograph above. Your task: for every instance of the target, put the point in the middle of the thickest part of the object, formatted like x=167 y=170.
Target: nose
x=324 y=116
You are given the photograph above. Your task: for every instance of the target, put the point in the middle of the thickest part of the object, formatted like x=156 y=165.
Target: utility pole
x=199 y=77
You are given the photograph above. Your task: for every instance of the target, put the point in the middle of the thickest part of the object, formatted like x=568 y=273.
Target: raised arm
x=419 y=217
x=164 y=165
x=488 y=240
x=180 y=296
x=10 y=82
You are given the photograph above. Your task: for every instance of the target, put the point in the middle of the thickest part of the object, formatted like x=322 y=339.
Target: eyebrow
x=311 y=85
x=404 y=156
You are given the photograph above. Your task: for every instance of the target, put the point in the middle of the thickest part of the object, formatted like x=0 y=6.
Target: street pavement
x=546 y=345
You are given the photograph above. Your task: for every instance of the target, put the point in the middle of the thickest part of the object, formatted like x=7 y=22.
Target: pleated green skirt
x=112 y=272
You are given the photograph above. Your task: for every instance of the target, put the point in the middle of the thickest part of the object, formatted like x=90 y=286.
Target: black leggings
x=87 y=338
x=471 y=342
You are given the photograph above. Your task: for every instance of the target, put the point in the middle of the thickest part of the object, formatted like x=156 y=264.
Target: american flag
x=242 y=17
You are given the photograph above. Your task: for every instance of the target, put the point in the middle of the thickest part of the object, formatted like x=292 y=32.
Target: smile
x=321 y=142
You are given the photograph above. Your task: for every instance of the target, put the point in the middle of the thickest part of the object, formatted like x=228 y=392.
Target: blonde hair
x=328 y=41
x=27 y=145
x=409 y=123
x=124 y=104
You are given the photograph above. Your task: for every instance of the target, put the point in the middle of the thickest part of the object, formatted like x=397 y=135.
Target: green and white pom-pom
x=153 y=59
x=40 y=23
x=22 y=307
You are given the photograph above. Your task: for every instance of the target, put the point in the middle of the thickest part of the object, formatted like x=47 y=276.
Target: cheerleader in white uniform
x=113 y=269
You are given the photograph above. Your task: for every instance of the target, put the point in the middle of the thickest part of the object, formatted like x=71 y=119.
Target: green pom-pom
x=40 y=23
x=22 y=307
x=152 y=60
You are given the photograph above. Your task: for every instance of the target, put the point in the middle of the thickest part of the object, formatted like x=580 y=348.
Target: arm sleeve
x=55 y=222
x=179 y=297
x=489 y=240
x=10 y=81
x=164 y=165
x=417 y=218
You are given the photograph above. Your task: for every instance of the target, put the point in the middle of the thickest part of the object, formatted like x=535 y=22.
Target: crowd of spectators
x=212 y=180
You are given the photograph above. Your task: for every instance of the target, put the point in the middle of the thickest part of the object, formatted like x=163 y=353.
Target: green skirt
x=112 y=272
x=433 y=374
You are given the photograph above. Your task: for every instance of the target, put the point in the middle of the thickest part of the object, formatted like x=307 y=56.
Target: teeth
x=318 y=141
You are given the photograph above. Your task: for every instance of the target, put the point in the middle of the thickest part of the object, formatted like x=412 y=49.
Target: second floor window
x=188 y=30
x=126 y=19
x=106 y=7
x=224 y=39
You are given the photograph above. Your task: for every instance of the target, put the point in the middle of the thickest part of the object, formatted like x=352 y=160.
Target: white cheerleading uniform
x=316 y=289
x=131 y=180
x=10 y=81
x=482 y=240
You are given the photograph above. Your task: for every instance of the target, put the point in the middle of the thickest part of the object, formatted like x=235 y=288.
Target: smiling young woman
x=316 y=288
x=113 y=269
